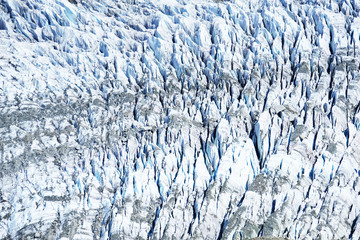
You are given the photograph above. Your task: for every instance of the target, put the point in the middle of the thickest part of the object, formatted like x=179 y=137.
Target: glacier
x=179 y=119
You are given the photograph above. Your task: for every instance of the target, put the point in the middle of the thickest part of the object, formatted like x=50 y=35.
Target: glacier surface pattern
x=179 y=119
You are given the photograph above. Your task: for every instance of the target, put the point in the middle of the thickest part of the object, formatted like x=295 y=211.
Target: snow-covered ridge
x=179 y=119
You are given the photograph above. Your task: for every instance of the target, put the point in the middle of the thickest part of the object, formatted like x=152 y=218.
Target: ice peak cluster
x=178 y=119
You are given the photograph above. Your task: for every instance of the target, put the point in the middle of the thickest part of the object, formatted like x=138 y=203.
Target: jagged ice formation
x=179 y=119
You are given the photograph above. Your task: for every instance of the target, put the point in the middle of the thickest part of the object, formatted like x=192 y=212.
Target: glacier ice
x=179 y=119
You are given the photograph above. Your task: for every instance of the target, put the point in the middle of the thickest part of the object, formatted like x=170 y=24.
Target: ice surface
x=179 y=119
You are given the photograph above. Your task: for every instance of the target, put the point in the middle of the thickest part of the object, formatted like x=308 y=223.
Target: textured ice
x=195 y=119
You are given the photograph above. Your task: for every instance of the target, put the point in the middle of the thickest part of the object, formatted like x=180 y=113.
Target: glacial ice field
x=179 y=119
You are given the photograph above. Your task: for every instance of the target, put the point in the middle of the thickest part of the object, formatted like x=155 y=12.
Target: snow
x=184 y=119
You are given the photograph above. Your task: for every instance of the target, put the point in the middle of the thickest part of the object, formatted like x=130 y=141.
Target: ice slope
x=179 y=119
